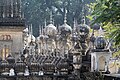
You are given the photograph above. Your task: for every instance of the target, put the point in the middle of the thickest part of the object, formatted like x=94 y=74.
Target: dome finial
x=45 y=23
x=31 y=32
x=53 y=22
x=51 y=17
x=83 y=15
x=101 y=32
x=40 y=30
x=31 y=29
x=65 y=17
x=74 y=27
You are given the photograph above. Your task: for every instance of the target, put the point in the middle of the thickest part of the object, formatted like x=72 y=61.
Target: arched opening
x=4 y=52
x=102 y=63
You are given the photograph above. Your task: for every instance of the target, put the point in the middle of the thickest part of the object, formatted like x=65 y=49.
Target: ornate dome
x=100 y=43
x=50 y=30
x=83 y=29
x=96 y=27
x=65 y=29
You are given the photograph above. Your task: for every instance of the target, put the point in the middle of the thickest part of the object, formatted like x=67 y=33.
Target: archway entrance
x=102 y=63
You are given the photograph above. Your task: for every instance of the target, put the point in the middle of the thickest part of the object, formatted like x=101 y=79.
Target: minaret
x=45 y=24
x=51 y=20
x=74 y=27
x=65 y=17
x=83 y=16
x=31 y=33
x=40 y=31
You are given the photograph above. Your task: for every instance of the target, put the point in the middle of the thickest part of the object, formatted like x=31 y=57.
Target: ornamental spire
x=40 y=32
x=83 y=15
x=45 y=23
x=74 y=27
x=51 y=17
x=65 y=17
x=101 y=32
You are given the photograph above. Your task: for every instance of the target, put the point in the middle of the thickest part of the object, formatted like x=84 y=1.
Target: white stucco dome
x=65 y=29
x=50 y=30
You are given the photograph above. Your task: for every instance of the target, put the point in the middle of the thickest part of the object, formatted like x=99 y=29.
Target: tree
x=107 y=13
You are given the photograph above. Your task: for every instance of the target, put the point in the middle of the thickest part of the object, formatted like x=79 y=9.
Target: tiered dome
x=65 y=29
x=83 y=29
x=50 y=29
x=100 y=43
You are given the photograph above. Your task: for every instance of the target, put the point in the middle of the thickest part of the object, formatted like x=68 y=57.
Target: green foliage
x=107 y=13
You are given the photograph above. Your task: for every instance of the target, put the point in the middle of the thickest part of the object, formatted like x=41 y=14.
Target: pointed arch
x=102 y=63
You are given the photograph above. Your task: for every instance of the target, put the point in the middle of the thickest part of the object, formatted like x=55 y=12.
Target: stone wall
x=11 y=39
